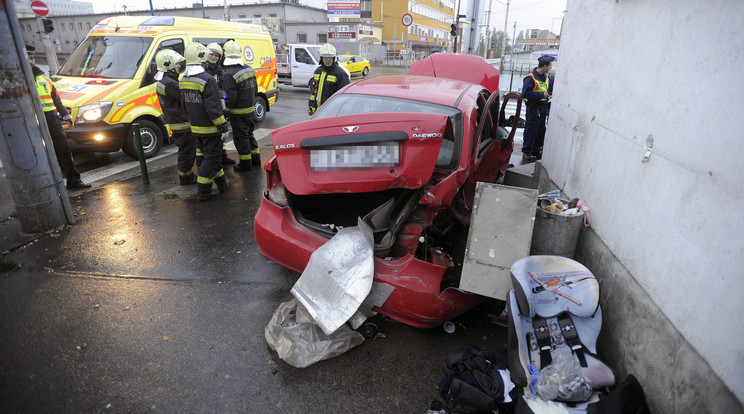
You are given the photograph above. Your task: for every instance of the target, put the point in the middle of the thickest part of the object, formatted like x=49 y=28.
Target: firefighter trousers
x=211 y=166
x=245 y=142
x=186 y=149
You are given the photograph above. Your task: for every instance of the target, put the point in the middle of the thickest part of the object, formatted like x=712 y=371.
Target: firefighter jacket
x=217 y=72
x=171 y=102
x=48 y=93
x=533 y=87
x=240 y=86
x=328 y=80
x=203 y=103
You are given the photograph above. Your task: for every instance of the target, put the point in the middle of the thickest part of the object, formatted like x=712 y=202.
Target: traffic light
x=453 y=32
x=48 y=25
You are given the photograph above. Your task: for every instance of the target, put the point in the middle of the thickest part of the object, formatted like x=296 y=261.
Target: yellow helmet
x=196 y=54
x=232 y=49
x=327 y=50
x=166 y=60
x=215 y=48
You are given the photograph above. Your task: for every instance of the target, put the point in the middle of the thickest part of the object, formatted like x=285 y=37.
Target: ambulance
x=108 y=82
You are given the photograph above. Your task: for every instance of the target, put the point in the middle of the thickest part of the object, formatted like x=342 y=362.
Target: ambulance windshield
x=114 y=57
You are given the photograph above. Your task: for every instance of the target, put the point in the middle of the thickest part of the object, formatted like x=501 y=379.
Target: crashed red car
x=404 y=153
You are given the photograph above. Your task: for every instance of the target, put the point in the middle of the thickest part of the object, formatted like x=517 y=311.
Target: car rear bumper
x=98 y=137
x=416 y=300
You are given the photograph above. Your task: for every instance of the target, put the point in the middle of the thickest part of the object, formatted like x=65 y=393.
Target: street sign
x=39 y=8
x=407 y=19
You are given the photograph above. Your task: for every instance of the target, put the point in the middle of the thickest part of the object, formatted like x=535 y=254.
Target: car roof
x=420 y=88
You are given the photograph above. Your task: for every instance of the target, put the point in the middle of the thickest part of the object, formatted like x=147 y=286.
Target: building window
x=88 y=25
x=258 y=16
x=301 y=37
x=272 y=14
x=28 y=26
x=242 y=16
x=80 y=25
x=322 y=38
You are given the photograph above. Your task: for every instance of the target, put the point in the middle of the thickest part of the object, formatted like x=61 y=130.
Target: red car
x=404 y=153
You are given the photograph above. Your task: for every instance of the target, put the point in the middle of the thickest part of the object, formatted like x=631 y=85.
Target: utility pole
x=226 y=13
x=26 y=148
x=488 y=30
x=503 y=44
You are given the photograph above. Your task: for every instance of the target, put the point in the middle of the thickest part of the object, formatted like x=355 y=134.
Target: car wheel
x=365 y=71
x=152 y=139
x=261 y=107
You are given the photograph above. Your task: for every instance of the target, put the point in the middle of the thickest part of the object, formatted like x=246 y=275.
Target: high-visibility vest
x=44 y=87
x=539 y=86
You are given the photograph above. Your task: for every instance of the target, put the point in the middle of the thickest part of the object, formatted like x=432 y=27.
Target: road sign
x=407 y=19
x=39 y=8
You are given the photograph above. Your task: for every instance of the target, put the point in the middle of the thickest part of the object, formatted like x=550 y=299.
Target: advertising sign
x=344 y=8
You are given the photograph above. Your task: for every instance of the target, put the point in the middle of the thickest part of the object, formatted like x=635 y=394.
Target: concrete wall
x=667 y=234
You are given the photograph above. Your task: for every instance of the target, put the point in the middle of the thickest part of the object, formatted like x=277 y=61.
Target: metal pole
x=204 y=14
x=46 y=40
x=503 y=44
x=511 y=63
x=152 y=12
x=395 y=39
x=140 y=153
x=488 y=30
x=26 y=148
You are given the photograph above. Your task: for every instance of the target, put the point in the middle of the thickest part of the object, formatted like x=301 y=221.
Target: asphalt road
x=155 y=302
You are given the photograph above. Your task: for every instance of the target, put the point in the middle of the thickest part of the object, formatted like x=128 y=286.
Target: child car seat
x=554 y=305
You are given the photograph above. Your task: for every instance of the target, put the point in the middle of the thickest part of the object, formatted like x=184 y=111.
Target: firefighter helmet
x=196 y=54
x=327 y=50
x=215 y=48
x=232 y=49
x=166 y=60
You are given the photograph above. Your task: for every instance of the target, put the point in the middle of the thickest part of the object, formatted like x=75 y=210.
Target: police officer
x=239 y=82
x=51 y=104
x=328 y=78
x=535 y=93
x=214 y=68
x=203 y=104
x=170 y=64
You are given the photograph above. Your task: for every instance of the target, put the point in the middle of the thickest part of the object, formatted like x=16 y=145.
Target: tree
x=499 y=38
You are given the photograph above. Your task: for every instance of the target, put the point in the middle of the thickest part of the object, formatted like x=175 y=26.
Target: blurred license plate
x=354 y=156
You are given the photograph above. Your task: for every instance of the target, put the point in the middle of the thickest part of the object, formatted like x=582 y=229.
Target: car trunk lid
x=360 y=153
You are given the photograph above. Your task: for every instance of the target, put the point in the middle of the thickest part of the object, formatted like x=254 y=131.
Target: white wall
x=672 y=70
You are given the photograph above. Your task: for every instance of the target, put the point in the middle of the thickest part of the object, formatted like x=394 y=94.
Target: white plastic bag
x=300 y=342
x=562 y=379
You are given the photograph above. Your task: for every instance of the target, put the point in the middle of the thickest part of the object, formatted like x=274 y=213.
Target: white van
x=296 y=64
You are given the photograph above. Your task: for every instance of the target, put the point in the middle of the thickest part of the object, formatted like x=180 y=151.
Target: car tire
x=152 y=139
x=365 y=72
x=261 y=107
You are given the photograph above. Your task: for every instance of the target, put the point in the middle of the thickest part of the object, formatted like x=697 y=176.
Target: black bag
x=473 y=383
x=626 y=398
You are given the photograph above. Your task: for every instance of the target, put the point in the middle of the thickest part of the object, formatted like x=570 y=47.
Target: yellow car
x=356 y=65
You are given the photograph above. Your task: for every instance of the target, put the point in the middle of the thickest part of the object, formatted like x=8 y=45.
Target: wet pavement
x=156 y=302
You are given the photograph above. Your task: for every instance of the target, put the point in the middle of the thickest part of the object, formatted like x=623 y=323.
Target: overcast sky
x=528 y=14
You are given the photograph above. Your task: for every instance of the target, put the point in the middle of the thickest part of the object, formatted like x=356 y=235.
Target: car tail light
x=276 y=191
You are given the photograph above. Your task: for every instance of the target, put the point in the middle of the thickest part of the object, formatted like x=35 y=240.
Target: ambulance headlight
x=93 y=112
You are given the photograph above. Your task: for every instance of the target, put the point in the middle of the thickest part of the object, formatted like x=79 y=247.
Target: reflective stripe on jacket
x=240 y=90
x=44 y=87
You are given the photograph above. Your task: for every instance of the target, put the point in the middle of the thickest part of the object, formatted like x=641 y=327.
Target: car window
x=342 y=59
x=351 y=104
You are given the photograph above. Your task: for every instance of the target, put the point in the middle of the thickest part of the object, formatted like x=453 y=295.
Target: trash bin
x=556 y=234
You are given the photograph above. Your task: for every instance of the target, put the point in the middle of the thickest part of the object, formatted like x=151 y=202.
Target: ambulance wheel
x=261 y=107
x=152 y=139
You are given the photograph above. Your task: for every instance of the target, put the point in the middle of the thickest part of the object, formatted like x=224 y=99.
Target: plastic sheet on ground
x=300 y=342
x=338 y=277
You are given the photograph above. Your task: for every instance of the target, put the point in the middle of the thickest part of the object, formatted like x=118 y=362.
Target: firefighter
x=240 y=87
x=203 y=105
x=51 y=104
x=214 y=68
x=536 y=96
x=328 y=78
x=170 y=65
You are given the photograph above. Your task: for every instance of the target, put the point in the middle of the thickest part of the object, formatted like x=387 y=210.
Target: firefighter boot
x=256 y=160
x=206 y=192
x=243 y=165
x=186 y=178
x=226 y=160
x=221 y=184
